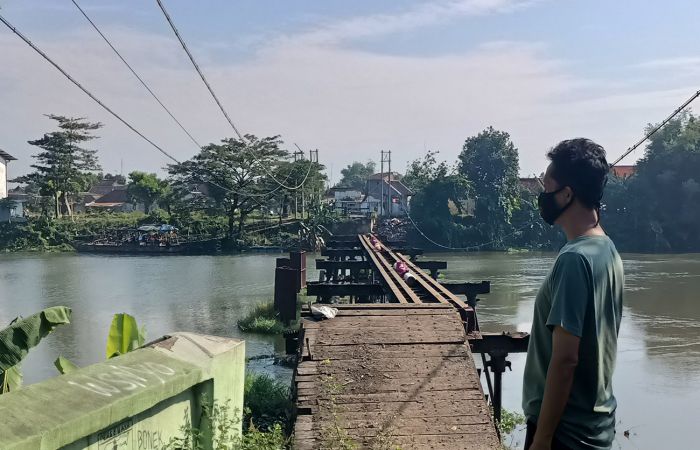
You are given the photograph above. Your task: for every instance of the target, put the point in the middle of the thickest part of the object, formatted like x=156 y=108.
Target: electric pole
x=391 y=205
x=298 y=155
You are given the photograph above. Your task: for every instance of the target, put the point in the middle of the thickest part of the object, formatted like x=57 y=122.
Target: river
x=658 y=366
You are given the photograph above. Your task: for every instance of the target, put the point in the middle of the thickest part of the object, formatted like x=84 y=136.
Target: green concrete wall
x=136 y=401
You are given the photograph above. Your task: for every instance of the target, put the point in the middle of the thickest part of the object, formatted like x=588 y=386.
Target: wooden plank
x=337 y=353
x=394 y=306
x=394 y=378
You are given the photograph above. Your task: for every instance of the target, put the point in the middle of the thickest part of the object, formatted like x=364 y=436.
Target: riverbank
x=42 y=235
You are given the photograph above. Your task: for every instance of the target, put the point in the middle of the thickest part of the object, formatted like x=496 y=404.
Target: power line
x=196 y=66
x=216 y=99
x=80 y=86
x=117 y=116
x=627 y=152
x=150 y=91
x=472 y=247
x=145 y=85
x=657 y=128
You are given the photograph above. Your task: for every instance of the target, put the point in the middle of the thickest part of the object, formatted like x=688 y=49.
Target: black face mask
x=549 y=210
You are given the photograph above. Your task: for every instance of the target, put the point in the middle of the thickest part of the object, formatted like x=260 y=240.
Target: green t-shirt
x=582 y=294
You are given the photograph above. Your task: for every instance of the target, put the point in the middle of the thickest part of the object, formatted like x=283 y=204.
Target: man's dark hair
x=580 y=164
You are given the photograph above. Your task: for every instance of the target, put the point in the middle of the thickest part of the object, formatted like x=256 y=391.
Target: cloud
x=348 y=103
x=671 y=63
x=421 y=15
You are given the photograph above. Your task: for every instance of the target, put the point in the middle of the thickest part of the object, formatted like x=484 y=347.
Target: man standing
x=567 y=387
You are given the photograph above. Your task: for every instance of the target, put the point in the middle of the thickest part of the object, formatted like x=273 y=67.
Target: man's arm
x=560 y=377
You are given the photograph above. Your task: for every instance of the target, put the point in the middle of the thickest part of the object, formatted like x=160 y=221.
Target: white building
x=4 y=159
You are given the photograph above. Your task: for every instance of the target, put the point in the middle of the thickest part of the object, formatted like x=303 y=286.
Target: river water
x=658 y=366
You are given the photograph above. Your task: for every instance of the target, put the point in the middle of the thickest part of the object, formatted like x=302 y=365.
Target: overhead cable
x=196 y=66
x=216 y=99
x=471 y=247
x=82 y=88
x=656 y=128
x=138 y=77
x=113 y=113
x=624 y=155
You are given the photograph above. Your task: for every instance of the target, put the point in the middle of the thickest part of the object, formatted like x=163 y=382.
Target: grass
x=262 y=319
x=267 y=404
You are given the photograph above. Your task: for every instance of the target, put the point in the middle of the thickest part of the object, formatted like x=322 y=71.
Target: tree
x=420 y=172
x=355 y=175
x=490 y=162
x=236 y=175
x=660 y=200
x=146 y=188
x=63 y=167
x=439 y=204
x=440 y=209
x=304 y=173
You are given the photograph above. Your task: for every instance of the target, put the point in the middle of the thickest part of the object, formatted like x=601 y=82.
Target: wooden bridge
x=397 y=371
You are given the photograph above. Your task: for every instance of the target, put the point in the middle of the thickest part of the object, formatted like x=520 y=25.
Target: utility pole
x=381 y=184
x=313 y=159
x=386 y=204
x=391 y=189
x=298 y=155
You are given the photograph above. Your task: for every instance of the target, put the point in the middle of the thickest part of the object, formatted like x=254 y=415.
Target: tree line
x=479 y=202
x=231 y=179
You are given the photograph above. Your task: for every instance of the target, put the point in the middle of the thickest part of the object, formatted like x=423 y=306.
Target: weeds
x=509 y=422
x=262 y=319
x=224 y=432
x=267 y=404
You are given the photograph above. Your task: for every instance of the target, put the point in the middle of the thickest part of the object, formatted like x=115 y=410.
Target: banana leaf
x=64 y=365
x=22 y=335
x=124 y=335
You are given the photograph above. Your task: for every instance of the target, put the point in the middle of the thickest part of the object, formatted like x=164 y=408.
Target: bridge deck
x=388 y=375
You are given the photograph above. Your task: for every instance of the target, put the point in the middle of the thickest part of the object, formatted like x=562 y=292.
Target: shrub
x=267 y=403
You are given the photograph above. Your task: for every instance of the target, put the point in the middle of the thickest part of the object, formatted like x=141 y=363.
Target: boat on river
x=147 y=240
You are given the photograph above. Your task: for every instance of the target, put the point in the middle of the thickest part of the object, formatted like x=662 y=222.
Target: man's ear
x=568 y=194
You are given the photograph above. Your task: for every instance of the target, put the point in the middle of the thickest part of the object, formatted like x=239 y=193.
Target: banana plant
x=124 y=336
x=23 y=334
x=64 y=365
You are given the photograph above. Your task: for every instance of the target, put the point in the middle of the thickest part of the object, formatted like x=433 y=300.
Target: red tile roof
x=623 y=171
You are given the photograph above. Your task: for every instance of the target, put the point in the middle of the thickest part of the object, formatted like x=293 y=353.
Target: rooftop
x=6 y=156
x=623 y=171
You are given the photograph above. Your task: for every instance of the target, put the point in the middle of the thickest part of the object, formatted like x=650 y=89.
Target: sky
x=350 y=78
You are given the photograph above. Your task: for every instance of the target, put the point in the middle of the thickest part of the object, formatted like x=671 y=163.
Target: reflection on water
x=204 y=294
x=659 y=348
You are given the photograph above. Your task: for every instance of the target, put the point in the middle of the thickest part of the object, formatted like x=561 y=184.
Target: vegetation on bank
x=267 y=404
x=262 y=318
x=479 y=203
x=215 y=193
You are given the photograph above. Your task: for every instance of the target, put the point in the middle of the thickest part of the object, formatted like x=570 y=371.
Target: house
x=347 y=201
x=14 y=210
x=4 y=159
x=623 y=172
x=105 y=186
x=11 y=205
x=115 y=201
x=531 y=184
x=384 y=186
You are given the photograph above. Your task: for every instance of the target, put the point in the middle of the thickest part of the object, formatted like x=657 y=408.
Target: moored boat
x=148 y=240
